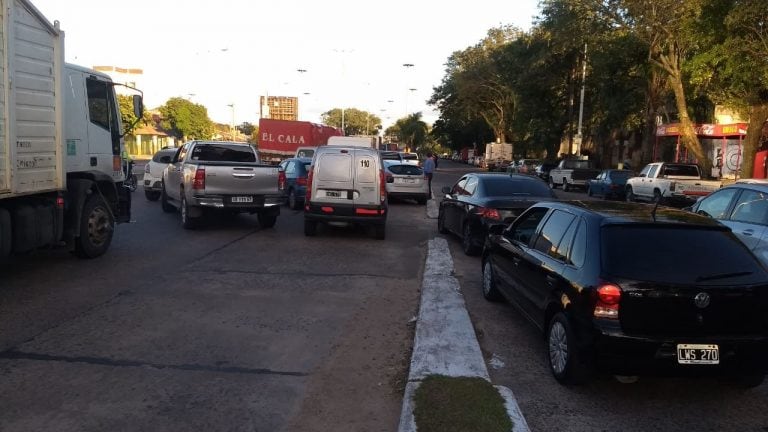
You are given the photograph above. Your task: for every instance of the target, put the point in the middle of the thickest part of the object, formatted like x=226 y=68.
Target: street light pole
x=578 y=138
x=298 y=111
x=232 y=132
x=407 y=66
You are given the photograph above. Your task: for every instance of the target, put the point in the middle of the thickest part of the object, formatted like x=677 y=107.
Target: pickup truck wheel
x=552 y=183
x=629 y=196
x=167 y=207
x=96 y=228
x=293 y=201
x=267 y=220
x=187 y=221
x=657 y=198
x=566 y=186
x=310 y=228
x=152 y=195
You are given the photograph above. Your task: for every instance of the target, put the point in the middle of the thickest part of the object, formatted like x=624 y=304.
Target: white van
x=346 y=185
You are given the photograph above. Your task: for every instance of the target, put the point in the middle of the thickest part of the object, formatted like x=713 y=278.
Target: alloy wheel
x=558 y=347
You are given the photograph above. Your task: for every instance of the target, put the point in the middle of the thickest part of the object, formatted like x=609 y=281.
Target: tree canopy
x=356 y=122
x=186 y=120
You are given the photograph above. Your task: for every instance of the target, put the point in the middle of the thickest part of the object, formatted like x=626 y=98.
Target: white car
x=410 y=158
x=153 y=172
x=405 y=180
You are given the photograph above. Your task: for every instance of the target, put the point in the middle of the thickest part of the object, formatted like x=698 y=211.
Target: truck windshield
x=223 y=153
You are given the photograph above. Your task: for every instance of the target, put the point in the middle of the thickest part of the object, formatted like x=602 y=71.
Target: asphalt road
x=516 y=356
x=227 y=328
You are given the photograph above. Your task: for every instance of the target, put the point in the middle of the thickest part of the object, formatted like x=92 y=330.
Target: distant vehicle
x=670 y=183
x=406 y=181
x=571 y=173
x=742 y=207
x=280 y=139
x=292 y=180
x=390 y=155
x=410 y=158
x=543 y=169
x=609 y=184
x=629 y=289
x=523 y=166
x=498 y=155
x=353 y=141
x=305 y=152
x=479 y=200
x=346 y=185
x=220 y=175
x=153 y=173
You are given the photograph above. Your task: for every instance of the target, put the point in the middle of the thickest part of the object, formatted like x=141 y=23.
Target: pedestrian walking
x=429 y=169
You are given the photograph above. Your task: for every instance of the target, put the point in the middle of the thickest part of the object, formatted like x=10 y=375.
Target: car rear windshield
x=411 y=156
x=405 y=170
x=158 y=155
x=223 y=153
x=621 y=174
x=678 y=255
x=506 y=186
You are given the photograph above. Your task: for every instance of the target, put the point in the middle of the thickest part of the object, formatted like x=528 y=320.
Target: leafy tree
x=127 y=117
x=185 y=119
x=412 y=131
x=356 y=122
x=247 y=128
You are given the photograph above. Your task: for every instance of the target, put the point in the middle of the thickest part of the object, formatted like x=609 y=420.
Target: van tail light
x=281 y=180
x=489 y=213
x=608 y=299
x=199 y=181
x=308 y=194
x=382 y=186
x=301 y=181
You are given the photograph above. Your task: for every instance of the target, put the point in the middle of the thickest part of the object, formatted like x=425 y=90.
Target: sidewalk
x=445 y=342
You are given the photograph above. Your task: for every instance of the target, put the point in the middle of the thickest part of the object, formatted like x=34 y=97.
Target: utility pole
x=232 y=105
x=407 y=66
x=578 y=138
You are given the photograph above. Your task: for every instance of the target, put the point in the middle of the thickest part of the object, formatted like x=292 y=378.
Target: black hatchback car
x=479 y=200
x=631 y=290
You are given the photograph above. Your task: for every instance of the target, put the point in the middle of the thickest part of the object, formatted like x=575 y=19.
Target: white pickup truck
x=571 y=173
x=670 y=183
x=220 y=175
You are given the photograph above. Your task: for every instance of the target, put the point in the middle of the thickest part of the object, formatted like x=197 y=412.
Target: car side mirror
x=165 y=159
x=496 y=229
x=446 y=190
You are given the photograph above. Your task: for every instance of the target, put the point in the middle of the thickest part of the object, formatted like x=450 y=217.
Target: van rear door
x=334 y=177
x=366 y=179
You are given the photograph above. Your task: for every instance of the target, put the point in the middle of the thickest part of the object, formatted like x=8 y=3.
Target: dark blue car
x=609 y=184
x=293 y=180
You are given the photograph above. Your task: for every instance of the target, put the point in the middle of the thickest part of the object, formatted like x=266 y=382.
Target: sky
x=233 y=51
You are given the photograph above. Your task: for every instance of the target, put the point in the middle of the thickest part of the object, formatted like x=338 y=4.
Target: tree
x=247 y=128
x=356 y=122
x=411 y=130
x=127 y=117
x=668 y=26
x=185 y=119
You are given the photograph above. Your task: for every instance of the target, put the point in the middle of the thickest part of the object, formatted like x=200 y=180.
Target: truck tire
x=5 y=233
x=267 y=220
x=167 y=207
x=187 y=221
x=629 y=195
x=96 y=228
x=657 y=198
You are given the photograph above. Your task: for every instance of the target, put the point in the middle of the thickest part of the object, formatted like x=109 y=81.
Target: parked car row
x=624 y=288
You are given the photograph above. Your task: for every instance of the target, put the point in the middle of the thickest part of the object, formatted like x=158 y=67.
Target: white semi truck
x=61 y=176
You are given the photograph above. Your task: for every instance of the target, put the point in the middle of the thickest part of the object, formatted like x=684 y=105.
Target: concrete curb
x=432 y=210
x=445 y=342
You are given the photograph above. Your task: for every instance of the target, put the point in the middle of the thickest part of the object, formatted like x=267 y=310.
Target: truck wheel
x=167 y=207
x=629 y=196
x=657 y=198
x=267 y=220
x=96 y=228
x=380 y=232
x=310 y=228
x=187 y=221
x=566 y=186
x=552 y=183
x=152 y=195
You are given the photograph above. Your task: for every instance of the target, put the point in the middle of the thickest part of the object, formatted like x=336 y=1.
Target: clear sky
x=225 y=52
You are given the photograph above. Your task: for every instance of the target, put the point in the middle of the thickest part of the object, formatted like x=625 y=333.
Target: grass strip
x=459 y=404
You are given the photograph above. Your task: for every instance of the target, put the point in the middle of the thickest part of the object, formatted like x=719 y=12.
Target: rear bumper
x=152 y=183
x=364 y=215
x=630 y=355
x=223 y=201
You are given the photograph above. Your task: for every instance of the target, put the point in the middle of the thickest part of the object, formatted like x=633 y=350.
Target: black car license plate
x=698 y=354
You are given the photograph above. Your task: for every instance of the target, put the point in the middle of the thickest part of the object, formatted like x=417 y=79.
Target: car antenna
x=655 y=206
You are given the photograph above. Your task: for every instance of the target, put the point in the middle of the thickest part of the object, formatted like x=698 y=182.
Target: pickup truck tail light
x=301 y=181
x=308 y=194
x=199 y=181
x=489 y=213
x=281 y=180
x=608 y=299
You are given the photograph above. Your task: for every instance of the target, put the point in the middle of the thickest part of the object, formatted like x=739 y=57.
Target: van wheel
x=167 y=207
x=96 y=228
x=187 y=221
x=293 y=202
x=310 y=228
x=267 y=220
x=380 y=231
x=564 y=359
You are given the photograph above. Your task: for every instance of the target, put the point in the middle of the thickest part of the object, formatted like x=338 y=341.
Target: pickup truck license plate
x=698 y=354
x=333 y=194
x=242 y=199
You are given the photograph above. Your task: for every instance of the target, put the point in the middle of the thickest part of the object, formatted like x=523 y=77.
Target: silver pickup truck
x=220 y=175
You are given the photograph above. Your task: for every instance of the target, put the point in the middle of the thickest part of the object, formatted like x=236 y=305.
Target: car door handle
x=748 y=232
x=551 y=280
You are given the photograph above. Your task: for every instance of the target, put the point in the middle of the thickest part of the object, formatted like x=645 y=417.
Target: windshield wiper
x=722 y=276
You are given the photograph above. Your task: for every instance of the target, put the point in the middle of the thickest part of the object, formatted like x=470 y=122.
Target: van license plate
x=408 y=180
x=242 y=199
x=333 y=194
x=698 y=354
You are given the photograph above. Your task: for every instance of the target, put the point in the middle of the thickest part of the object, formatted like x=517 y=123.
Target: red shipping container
x=760 y=169
x=283 y=137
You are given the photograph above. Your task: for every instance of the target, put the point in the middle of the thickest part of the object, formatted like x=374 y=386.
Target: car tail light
x=608 y=298
x=281 y=180
x=308 y=194
x=199 y=181
x=301 y=181
x=382 y=186
x=60 y=202
x=489 y=213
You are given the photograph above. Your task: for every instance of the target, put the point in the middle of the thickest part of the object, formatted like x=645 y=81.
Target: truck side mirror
x=138 y=106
